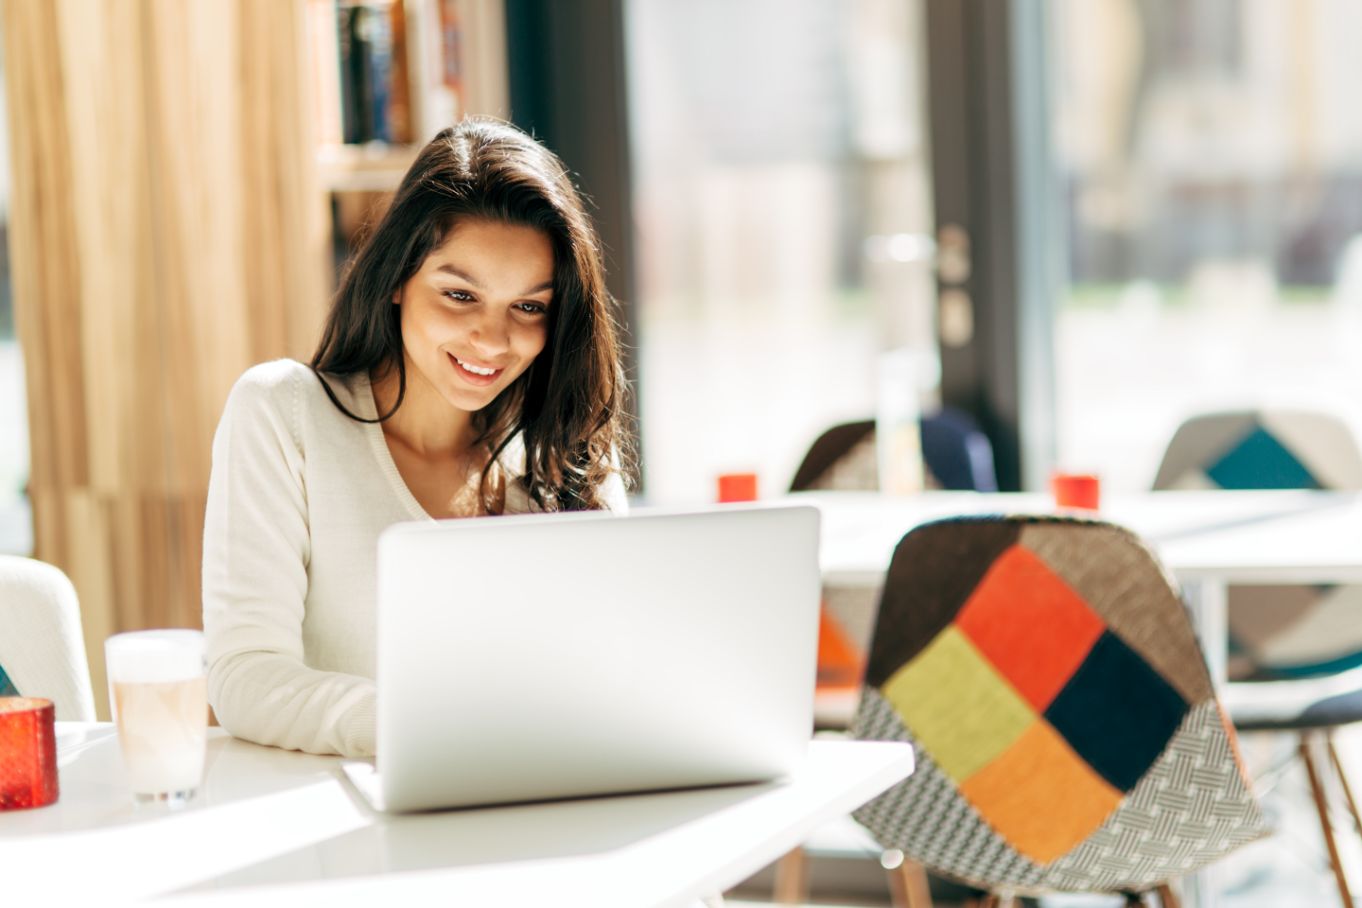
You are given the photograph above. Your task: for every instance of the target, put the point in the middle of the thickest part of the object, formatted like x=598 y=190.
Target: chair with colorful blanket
x=1067 y=735
x=1295 y=650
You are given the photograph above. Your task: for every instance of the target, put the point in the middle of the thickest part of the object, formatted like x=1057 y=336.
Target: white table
x=1206 y=538
x=279 y=827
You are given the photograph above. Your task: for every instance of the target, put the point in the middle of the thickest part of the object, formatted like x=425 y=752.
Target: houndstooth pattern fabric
x=925 y=817
x=1189 y=809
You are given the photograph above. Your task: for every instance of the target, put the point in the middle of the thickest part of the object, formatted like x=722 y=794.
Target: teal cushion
x=1260 y=461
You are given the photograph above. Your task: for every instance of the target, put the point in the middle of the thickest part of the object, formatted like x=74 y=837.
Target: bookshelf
x=384 y=77
x=363 y=168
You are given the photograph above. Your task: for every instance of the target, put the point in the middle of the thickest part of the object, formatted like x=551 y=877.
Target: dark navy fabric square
x=1260 y=462
x=1116 y=712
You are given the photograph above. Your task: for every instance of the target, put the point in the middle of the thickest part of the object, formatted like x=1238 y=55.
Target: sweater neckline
x=384 y=455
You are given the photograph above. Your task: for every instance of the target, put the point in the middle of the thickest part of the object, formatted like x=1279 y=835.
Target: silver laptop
x=550 y=656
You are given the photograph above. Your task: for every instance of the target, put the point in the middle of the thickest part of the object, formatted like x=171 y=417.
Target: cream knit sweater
x=298 y=496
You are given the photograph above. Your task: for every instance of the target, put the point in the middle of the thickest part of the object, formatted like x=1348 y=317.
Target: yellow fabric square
x=956 y=704
x=1040 y=796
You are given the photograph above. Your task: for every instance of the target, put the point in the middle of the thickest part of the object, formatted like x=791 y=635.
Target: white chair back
x=42 y=649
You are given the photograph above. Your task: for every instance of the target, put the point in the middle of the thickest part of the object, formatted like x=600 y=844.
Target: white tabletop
x=1237 y=537
x=280 y=827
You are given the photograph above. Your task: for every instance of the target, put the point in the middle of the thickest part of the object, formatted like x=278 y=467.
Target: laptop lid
x=547 y=656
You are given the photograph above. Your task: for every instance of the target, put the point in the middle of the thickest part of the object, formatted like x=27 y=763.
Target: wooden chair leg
x=1322 y=806
x=1343 y=780
x=994 y=900
x=1167 y=897
x=908 y=886
x=792 y=879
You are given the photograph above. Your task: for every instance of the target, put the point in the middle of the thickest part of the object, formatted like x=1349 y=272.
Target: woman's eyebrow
x=462 y=275
x=447 y=268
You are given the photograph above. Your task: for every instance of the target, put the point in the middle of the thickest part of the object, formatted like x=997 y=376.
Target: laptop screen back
x=545 y=656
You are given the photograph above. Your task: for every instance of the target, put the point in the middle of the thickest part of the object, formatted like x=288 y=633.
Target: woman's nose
x=491 y=335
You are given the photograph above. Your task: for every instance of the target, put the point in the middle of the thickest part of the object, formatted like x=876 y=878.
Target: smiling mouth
x=477 y=374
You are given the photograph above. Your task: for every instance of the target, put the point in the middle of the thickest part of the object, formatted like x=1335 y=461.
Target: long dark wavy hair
x=568 y=406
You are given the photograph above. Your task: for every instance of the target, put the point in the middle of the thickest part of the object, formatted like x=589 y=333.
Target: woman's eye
x=532 y=308
x=459 y=296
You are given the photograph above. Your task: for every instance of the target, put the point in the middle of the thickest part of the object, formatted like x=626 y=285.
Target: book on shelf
x=386 y=75
x=451 y=55
x=361 y=71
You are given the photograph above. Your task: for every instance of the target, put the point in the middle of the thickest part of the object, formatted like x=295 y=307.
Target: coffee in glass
x=159 y=696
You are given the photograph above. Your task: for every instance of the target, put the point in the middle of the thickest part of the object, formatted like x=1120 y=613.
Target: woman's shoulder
x=272 y=385
x=286 y=398
x=284 y=392
x=289 y=383
x=273 y=377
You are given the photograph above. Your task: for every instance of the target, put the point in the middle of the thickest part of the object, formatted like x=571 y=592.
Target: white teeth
x=474 y=369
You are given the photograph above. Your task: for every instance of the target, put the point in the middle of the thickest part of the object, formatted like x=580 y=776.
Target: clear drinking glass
x=898 y=438
x=159 y=696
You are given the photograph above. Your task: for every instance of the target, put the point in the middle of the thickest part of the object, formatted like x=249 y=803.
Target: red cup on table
x=28 y=753
x=1081 y=491
x=737 y=487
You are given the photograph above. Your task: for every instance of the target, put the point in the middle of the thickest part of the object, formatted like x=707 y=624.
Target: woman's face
x=475 y=314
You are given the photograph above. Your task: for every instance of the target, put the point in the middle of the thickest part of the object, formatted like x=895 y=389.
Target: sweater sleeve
x=256 y=549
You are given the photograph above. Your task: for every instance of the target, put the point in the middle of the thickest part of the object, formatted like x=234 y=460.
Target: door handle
x=900 y=248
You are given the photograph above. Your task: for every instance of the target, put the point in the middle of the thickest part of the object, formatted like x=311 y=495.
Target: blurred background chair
x=956 y=456
x=42 y=649
x=955 y=452
x=1067 y=734
x=1295 y=650
x=1277 y=632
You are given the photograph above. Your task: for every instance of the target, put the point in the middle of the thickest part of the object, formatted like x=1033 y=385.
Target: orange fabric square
x=1030 y=624
x=1040 y=796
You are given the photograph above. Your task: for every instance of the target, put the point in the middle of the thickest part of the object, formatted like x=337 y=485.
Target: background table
x=276 y=827
x=1207 y=539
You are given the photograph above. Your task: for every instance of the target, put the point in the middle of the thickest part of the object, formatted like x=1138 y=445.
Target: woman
x=469 y=366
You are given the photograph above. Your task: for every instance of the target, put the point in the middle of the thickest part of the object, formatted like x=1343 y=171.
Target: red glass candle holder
x=28 y=753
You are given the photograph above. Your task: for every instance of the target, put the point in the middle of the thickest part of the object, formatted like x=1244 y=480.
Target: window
x=16 y=533
x=1212 y=159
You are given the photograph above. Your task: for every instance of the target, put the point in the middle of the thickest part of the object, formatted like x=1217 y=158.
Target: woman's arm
x=256 y=549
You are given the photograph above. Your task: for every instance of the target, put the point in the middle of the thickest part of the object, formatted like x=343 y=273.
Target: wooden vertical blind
x=167 y=231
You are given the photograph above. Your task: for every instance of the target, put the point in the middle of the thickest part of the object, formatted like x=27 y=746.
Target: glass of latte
x=159 y=696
